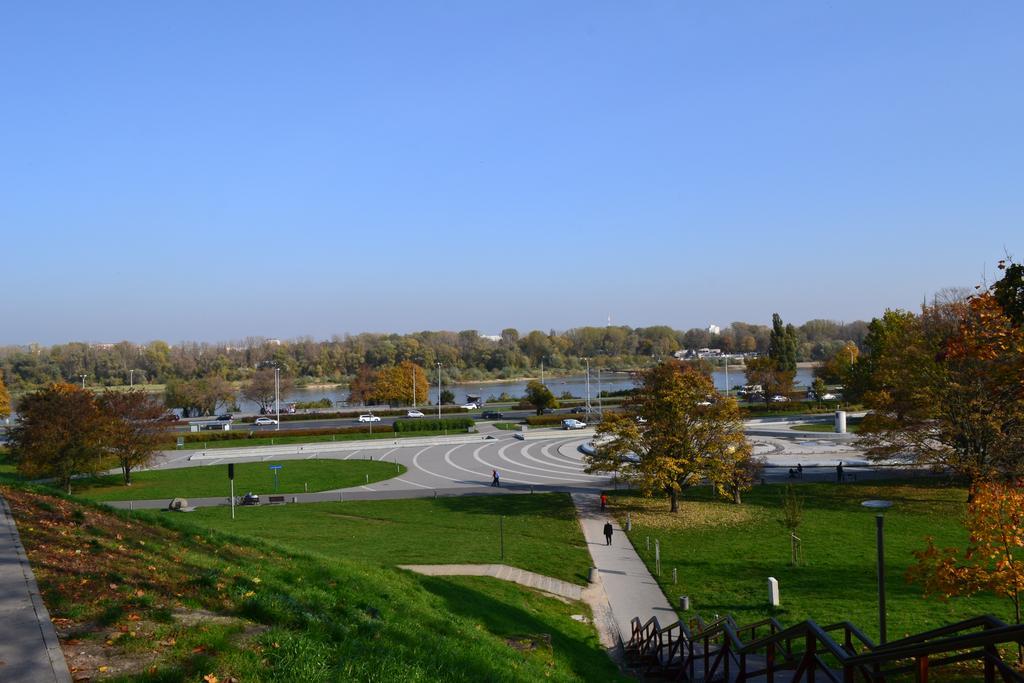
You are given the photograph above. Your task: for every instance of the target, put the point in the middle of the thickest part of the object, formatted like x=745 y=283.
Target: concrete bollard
x=840 y=422
x=592 y=575
x=773 y=591
x=684 y=603
x=295 y=499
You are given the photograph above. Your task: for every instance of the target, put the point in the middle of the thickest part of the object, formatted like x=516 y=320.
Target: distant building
x=491 y=337
x=714 y=329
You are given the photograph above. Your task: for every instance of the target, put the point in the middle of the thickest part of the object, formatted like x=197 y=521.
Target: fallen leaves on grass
x=653 y=513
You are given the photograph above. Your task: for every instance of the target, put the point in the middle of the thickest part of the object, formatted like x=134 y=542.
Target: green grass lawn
x=506 y=425
x=212 y=480
x=541 y=532
x=725 y=553
x=266 y=614
x=316 y=438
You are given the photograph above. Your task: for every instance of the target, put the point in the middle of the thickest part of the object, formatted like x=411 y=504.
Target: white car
x=573 y=424
x=413 y=413
x=263 y=421
x=470 y=406
x=779 y=398
x=829 y=397
x=369 y=417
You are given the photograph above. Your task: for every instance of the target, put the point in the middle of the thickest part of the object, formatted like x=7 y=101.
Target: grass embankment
x=249 y=442
x=135 y=601
x=725 y=553
x=541 y=532
x=824 y=427
x=212 y=480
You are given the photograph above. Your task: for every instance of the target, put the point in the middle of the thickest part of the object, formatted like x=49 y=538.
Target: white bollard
x=840 y=422
x=773 y=591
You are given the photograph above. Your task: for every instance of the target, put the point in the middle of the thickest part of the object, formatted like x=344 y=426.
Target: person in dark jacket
x=608 y=533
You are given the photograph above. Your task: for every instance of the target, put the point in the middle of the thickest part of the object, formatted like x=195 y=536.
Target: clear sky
x=213 y=170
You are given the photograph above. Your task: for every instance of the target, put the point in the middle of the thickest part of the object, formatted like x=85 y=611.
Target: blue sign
x=275 y=467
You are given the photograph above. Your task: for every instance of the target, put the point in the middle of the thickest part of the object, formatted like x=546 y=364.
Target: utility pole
x=414 y=387
x=438 y=391
x=277 y=396
x=588 y=384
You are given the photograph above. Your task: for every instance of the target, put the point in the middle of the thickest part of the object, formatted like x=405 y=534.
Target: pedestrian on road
x=607 y=533
x=839 y=472
x=495 y=479
x=604 y=501
x=800 y=470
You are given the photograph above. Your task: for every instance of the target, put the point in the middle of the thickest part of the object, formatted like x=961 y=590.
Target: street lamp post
x=588 y=384
x=414 y=387
x=880 y=548
x=277 y=397
x=438 y=391
x=83 y=380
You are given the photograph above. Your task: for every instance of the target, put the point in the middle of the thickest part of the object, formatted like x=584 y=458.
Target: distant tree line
x=465 y=355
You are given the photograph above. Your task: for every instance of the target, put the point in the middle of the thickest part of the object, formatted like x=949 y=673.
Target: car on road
x=578 y=410
x=264 y=421
x=573 y=424
x=414 y=413
x=829 y=397
x=491 y=415
x=226 y=417
x=779 y=398
x=469 y=406
x=368 y=417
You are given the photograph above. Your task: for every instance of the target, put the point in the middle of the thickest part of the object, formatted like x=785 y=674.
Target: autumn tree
x=447 y=397
x=360 y=389
x=946 y=387
x=539 y=396
x=402 y=384
x=135 y=428
x=59 y=433
x=836 y=369
x=764 y=371
x=681 y=440
x=199 y=396
x=262 y=389
x=5 y=399
x=993 y=560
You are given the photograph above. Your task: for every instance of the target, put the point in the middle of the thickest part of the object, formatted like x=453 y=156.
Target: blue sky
x=195 y=170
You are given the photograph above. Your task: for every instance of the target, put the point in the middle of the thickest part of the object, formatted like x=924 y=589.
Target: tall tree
x=5 y=399
x=262 y=388
x=782 y=345
x=539 y=396
x=677 y=439
x=199 y=396
x=59 y=433
x=764 y=371
x=135 y=430
x=836 y=370
x=360 y=389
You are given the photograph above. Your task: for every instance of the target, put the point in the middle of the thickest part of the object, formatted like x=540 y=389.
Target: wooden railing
x=838 y=652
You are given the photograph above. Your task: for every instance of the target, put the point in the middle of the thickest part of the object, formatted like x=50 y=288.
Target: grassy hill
x=166 y=600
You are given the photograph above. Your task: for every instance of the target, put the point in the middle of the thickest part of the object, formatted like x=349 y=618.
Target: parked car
x=368 y=417
x=469 y=406
x=414 y=413
x=251 y=498
x=579 y=410
x=264 y=421
x=491 y=415
x=829 y=397
x=573 y=424
x=226 y=417
x=779 y=398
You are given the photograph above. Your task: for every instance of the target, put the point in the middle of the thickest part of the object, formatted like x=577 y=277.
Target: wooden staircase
x=722 y=651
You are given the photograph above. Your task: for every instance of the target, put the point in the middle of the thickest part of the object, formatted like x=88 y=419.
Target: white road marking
x=416 y=464
x=388 y=453
x=406 y=481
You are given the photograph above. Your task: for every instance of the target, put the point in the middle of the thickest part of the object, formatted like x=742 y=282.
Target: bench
x=275 y=499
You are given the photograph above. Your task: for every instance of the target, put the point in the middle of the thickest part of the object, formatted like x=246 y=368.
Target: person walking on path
x=839 y=472
x=495 y=478
x=608 y=533
x=604 y=501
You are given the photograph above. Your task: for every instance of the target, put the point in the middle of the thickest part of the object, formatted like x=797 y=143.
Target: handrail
x=673 y=646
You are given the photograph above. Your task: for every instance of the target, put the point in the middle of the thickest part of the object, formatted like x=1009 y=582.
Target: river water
x=490 y=391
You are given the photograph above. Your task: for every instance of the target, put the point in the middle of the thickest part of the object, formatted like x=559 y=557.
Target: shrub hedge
x=421 y=425
x=192 y=437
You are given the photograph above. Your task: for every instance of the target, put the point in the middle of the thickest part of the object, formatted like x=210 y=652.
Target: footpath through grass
x=212 y=480
x=134 y=601
x=725 y=553
x=540 y=531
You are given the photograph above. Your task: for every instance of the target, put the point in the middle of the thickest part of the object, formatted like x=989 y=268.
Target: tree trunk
x=736 y=495
x=674 y=495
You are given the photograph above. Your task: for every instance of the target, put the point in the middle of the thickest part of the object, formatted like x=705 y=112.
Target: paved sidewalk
x=631 y=590
x=504 y=572
x=29 y=649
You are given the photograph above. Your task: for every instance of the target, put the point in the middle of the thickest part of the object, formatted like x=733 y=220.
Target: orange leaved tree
x=994 y=558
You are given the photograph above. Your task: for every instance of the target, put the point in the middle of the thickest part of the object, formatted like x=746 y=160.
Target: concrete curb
x=58 y=668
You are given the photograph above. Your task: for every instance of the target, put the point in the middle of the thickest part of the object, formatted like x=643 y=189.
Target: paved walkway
x=29 y=649
x=501 y=571
x=631 y=590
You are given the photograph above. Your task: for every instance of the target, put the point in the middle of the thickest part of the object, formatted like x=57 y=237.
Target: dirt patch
x=541 y=641
x=654 y=513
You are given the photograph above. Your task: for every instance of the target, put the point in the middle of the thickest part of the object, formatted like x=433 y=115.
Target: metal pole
x=588 y=384
x=880 y=537
x=414 y=387
x=438 y=391
x=83 y=380
x=542 y=372
x=232 y=499
x=600 y=409
x=131 y=378
x=726 y=376
x=277 y=396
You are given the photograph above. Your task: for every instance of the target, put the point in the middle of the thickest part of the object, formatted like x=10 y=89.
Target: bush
x=545 y=420
x=421 y=425
x=193 y=437
x=356 y=412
